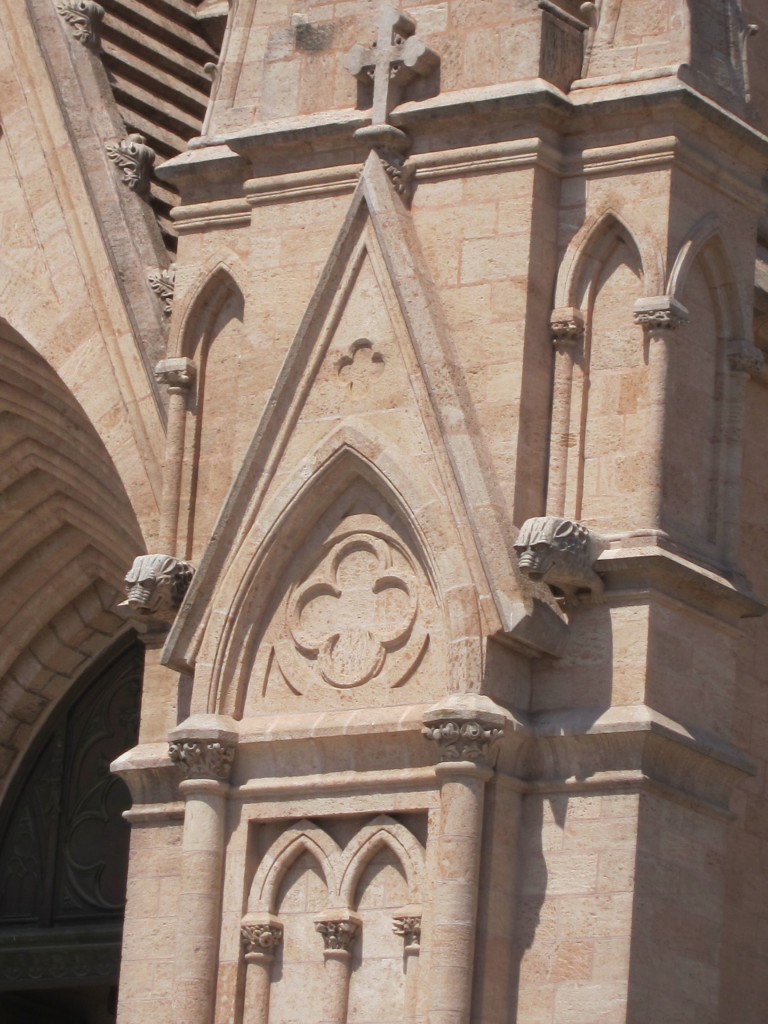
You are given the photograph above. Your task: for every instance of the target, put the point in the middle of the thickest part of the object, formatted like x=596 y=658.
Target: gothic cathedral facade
x=383 y=484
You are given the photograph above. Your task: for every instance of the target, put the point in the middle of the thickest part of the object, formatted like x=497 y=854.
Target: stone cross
x=395 y=59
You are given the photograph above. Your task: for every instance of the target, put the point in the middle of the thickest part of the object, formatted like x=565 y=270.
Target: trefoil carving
x=84 y=17
x=203 y=759
x=463 y=740
x=560 y=553
x=155 y=586
x=162 y=282
x=135 y=159
x=360 y=367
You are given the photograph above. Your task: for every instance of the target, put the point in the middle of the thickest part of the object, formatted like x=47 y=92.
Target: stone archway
x=64 y=853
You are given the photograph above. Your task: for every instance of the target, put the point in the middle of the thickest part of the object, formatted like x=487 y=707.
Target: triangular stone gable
x=370 y=375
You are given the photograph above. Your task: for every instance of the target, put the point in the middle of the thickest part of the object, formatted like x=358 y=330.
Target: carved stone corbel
x=567 y=325
x=660 y=313
x=135 y=159
x=178 y=375
x=560 y=553
x=84 y=17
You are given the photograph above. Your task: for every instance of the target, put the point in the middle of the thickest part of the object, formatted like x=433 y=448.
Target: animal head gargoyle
x=560 y=553
x=155 y=585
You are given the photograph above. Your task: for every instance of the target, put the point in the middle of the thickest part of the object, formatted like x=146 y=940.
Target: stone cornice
x=645 y=567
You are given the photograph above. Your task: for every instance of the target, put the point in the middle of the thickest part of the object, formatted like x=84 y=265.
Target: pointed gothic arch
x=589 y=249
x=303 y=837
x=382 y=832
x=705 y=246
x=220 y=279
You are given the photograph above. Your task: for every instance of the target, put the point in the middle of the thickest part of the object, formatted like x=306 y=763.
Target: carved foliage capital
x=409 y=927
x=463 y=739
x=261 y=937
x=660 y=313
x=338 y=933
x=203 y=759
x=84 y=17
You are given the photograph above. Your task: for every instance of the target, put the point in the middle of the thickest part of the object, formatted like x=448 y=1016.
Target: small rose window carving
x=354 y=613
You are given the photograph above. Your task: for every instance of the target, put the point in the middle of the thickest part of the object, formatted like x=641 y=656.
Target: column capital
x=204 y=747
x=660 y=313
x=567 y=326
x=407 y=923
x=177 y=374
x=339 y=929
x=465 y=728
x=260 y=935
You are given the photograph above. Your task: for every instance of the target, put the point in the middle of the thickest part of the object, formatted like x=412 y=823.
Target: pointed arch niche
x=705 y=401
x=213 y=337
x=340 y=605
x=600 y=416
x=337 y=870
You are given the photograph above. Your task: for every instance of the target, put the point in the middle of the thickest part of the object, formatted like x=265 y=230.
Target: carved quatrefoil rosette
x=355 y=619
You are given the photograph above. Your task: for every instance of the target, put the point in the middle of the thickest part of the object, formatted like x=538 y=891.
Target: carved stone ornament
x=660 y=313
x=261 y=937
x=338 y=934
x=747 y=358
x=155 y=585
x=176 y=374
x=567 y=324
x=135 y=159
x=203 y=759
x=84 y=17
x=360 y=367
x=355 y=618
x=409 y=927
x=463 y=740
x=394 y=60
x=162 y=283
x=560 y=553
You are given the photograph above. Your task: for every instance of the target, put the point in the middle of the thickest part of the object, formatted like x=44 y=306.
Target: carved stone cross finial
x=396 y=58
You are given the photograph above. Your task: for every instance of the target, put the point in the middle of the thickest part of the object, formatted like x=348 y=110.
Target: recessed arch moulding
x=362 y=557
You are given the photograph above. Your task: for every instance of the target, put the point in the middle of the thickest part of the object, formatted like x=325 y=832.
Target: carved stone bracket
x=84 y=17
x=465 y=728
x=567 y=324
x=162 y=283
x=177 y=374
x=747 y=358
x=408 y=925
x=660 y=313
x=260 y=937
x=135 y=159
x=560 y=553
x=202 y=759
x=155 y=586
x=339 y=932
